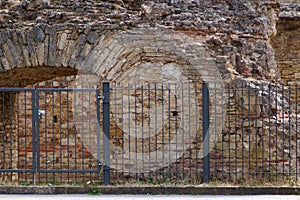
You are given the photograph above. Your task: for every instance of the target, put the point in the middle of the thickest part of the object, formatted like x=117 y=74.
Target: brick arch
x=101 y=53
x=113 y=56
x=138 y=56
x=44 y=45
x=28 y=76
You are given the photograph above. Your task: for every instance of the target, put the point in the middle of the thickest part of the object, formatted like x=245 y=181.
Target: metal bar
x=16 y=170
x=129 y=135
x=45 y=129
x=296 y=94
x=60 y=134
x=68 y=134
x=229 y=130
x=15 y=89
x=289 y=130
x=115 y=130
x=106 y=131
x=25 y=130
x=163 y=127
x=75 y=136
x=235 y=134
x=82 y=132
x=155 y=125
x=197 y=132
x=53 y=132
x=143 y=137
x=249 y=130
x=276 y=131
x=10 y=133
x=18 y=131
x=3 y=127
x=58 y=89
x=98 y=129
x=256 y=129
x=90 y=130
x=262 y=134
x=63 y=170
x=282 y=131
x=205 y=117
x=215 y=134
x=169 y=125
x=176 y=129
x=149 y=132
x=222 y=140
x=183 y=125
x=243 y=118
x=37 y=174
x=269 y=124
x=190 y=121
x=122 y=137
x=67 y=171
x=135 y=131
x=35 y=129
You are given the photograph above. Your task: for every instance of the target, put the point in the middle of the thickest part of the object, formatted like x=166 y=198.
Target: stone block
x=38 y=34
x=31 y=50
x=62 y=40
x=46 y=50
x=93 y=37
x=297 y=75
x=52 y=47
x=40 y=53
x=6 y=65
x=67 y=53
x=9 y=54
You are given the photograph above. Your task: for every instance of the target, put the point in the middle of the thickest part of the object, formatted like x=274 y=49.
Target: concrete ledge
x=180 y=190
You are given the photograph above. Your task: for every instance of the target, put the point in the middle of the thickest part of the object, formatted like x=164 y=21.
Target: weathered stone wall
x=129 y=42
x=231 y=28
x=286 y=43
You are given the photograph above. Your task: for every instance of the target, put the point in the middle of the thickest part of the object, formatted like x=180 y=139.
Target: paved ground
x=140 y=190
x=148 y=197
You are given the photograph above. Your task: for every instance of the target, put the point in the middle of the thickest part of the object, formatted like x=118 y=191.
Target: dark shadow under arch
x=21 y=77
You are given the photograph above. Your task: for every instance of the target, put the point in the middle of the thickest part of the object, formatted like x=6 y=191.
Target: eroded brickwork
x=129 y=42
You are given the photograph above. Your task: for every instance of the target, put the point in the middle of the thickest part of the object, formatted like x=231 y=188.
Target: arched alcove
x=124 y=58
x=286 y=45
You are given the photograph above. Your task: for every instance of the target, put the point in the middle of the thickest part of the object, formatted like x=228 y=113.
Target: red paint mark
x=54 y=149
x=277 y=161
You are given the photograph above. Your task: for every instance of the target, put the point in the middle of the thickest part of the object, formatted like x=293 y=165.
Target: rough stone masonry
x=171 y=41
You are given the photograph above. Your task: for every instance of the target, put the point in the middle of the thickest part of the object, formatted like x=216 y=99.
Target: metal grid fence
x=155 y=133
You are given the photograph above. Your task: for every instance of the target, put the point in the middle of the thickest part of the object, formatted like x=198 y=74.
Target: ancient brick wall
x=286 y=44
x=129 y=42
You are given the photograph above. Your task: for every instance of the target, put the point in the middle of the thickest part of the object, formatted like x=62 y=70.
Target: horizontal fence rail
x=172 y=133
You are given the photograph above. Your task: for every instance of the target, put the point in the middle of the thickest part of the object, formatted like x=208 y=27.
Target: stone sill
x=153 y=190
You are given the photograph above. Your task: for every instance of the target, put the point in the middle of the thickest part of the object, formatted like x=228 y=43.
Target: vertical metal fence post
x=106 y=132
x=205 y=129
x=35 y=132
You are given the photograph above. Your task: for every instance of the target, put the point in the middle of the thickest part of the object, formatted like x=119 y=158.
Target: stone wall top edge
x=235 y=15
